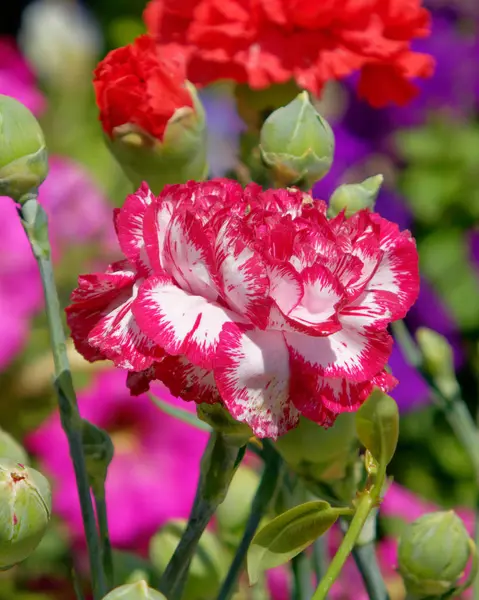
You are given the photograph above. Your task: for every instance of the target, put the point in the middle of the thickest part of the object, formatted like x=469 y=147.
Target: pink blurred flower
x=16 y=78
x=153 y=474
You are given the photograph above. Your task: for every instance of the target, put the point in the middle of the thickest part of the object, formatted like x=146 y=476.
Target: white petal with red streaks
x=189 y=256
x=187 y=381
x=252 y=375
x=129 y=223
x=155 y=226
x=356 y=352
x=119 y=337
x=242 y=276
x=98 y=289
x=180 y=322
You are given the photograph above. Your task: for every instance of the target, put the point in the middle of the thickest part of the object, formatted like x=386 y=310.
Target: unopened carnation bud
x=134 y=591
x=25 y=499
x=319 y=454
x=297 y=144
x=438 y=359
x=154 y=124
x=11 y=449
x=207 y=567
x=353 y=197
x=23 y=154
x=433 y=554
x=98 y=449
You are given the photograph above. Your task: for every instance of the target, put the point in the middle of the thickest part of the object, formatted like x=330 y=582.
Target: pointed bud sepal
x=320 y=454
x=297 y=144
x=98 y=449
x=353 y=197
x=433 y=553
x=134 y=591
x=23 y=154
x=25 y=498
x=179 y=157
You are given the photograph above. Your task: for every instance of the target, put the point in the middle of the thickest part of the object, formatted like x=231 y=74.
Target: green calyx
x=297 y=144
x=179 y=157
x=353 y=197
x=23 y=154
x=139 y=590
x=433 y=554
x=25 y=509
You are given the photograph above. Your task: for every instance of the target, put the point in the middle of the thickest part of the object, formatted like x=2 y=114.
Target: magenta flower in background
x=78 y=210
x=16 y=78
x=154 y=472
x=20 y=287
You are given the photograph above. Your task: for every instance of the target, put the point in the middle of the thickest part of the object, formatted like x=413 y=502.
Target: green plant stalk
x=366 y=560
x=303 y=576
x=264 y=494
x=218 y=465
x=35 y=224
x=106 y=550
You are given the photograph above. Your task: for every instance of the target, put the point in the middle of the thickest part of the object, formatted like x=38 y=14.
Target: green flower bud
x=179 y=157
x=134 y=591
x=438 y=359
x=23 y=154
x=353 y=197
x=207 y=568
x=233 y=512
x=297 y=144
x=433 y=553
x=320 y=454
x=11 y=449
x=221 y=420
x=25 y=508
x=98 y=449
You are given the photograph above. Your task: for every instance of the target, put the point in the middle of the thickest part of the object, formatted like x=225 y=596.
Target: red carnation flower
x=262 y=42
x=140 y=85
x=250 y=298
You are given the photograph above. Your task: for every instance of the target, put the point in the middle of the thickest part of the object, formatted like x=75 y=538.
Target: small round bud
x=438 y=359
x=433 y=553
x=23 y=154
x=317 y=453
x=207 y=567
x=25 y=498
x=297 y=144
x=134 y=591
x=233 y=512
x=11 y=449
x=353 y=197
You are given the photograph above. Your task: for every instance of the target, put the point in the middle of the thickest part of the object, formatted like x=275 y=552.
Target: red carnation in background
x=262 y=42
x=141 y=85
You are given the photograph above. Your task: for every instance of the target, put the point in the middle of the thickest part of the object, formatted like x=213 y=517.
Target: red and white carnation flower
x=250 y=298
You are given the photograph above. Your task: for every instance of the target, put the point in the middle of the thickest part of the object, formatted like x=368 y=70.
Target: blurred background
x=429 y=155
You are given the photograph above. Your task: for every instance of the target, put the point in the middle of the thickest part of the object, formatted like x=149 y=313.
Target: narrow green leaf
x=287 y=535
x=178 y=413
x=377 y=425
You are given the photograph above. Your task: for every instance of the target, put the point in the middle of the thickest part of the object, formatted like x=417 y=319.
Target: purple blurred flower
x=16 y=79
x=20 y=287
x=78 y=210
x=154 y=472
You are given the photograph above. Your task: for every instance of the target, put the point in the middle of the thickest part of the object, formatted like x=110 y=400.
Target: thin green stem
x=259 y=505
x=218 y=465
x=34 y=222
x=367 y=563
x=303 y=577
x=106 y=550
x=364 y=507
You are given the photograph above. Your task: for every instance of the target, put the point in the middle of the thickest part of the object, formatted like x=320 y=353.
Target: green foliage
x=377 y=424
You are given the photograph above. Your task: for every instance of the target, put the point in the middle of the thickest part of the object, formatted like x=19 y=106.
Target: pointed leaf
x=289 y=534
x=182 y=415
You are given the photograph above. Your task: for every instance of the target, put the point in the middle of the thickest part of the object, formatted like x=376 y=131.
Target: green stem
x=364 y=507
x=261 y=501
x=34 y=221
x=367 y=563
x=106 y=550
x=218 y=465
x=303 y=584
